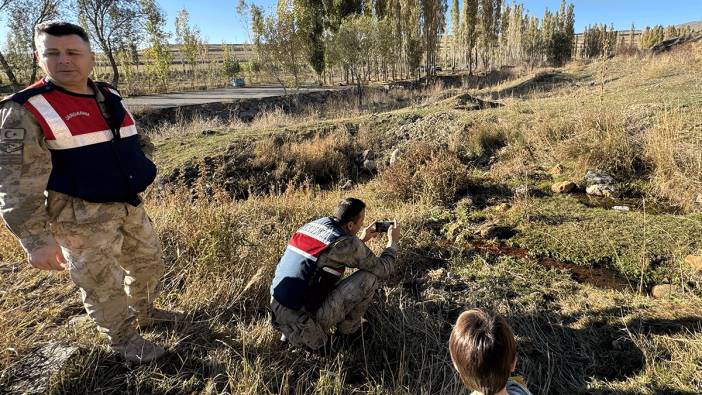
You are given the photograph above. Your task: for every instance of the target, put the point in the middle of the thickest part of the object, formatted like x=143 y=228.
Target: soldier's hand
x=369 y=233
x=394 y=232
x=48 y=257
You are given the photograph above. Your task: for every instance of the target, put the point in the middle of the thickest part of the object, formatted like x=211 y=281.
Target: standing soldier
x=308 y=295
x=74 y=139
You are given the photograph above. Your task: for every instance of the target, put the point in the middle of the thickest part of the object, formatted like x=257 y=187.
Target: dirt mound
x=667 y=45
x=467 y=102
x=540 y=82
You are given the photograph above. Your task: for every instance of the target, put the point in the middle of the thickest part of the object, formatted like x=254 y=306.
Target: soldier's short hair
x=483 y=349
x=60 y=28
x=348 y=210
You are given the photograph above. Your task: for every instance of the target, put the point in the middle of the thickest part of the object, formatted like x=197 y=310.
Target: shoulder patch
x=23 y=96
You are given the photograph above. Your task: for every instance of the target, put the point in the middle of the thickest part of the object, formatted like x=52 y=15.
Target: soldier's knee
x=367 y=281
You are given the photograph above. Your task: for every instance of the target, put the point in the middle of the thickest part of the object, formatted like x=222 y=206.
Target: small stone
x=662 y=291
x=621 y=208
x=521 y=190
x=564 y=187
x=33 y=373
x=394 y=156
x=557 y=170
x=208 y=132
x=695 y=262
x=370 y=165
x=502 y=207
x=437 y=274
x=593 y=178
x=602 y=190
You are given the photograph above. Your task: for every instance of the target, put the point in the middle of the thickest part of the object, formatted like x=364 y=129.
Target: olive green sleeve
x=354 y=253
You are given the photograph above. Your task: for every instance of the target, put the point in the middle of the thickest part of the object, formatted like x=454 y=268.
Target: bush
x=425 y=174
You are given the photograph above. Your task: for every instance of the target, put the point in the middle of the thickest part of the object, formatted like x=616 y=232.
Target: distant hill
x=695 y=25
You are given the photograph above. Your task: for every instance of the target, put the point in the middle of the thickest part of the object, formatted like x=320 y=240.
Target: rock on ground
x=601 y=184
x=695 y=262
x=370 y=165
x=32 y=375
x=394 y=156
x=564 y=187
x=602 y=190
x=662 y=291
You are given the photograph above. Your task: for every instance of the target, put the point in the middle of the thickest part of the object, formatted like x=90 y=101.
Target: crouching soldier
x=309 y=296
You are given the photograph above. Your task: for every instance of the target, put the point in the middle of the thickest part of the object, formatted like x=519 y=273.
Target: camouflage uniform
x=345 y=305
x=113 y=252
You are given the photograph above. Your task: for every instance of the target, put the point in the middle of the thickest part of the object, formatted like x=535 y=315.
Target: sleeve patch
x=11 y=146
x=12 y=134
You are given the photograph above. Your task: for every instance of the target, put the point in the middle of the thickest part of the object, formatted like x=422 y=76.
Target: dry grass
x=674 y=146
x=573 y=337
x=425 y=175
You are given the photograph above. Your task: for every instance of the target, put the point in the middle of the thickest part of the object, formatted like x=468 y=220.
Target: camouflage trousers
x=114 y=257
x=343 y=308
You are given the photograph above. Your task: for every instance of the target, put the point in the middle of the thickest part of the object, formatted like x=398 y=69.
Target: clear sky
x=218 y=21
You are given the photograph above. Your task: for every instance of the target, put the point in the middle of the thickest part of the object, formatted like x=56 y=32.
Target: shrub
x=425 y=174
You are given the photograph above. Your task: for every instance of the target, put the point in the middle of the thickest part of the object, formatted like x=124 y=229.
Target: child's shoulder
x=516 y=386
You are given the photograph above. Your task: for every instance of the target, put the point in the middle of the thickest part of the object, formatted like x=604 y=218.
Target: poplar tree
x=189 y=39
x=469 y=21
x=486 y=14
x=157 y=53
x=455 y=31
x=310 y=18
x=433 y=16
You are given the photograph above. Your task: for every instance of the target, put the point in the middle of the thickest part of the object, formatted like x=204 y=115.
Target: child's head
x=483 y=350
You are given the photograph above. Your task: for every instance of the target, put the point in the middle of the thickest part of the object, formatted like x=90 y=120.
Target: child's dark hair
x=348 y=210
x=483 y=350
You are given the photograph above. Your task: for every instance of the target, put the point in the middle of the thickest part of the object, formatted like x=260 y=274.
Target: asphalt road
x=222 y=95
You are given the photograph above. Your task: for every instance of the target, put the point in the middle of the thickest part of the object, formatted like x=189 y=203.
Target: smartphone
x=382 y=226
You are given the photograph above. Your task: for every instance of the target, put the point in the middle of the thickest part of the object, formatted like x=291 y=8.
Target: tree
x=189 y=39
x=455 y=31
x=24 y=16
x=230 y=64
x=469 y=20
x=159 y=57
x=106 y=21
x=486 y=14
x=4 y=6
x=433 y=15
x=309 y=17
x=278 y=44
x=352 y=46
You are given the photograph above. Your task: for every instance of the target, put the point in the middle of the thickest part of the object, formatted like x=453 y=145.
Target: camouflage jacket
x=25 y=167
x=350 y=251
